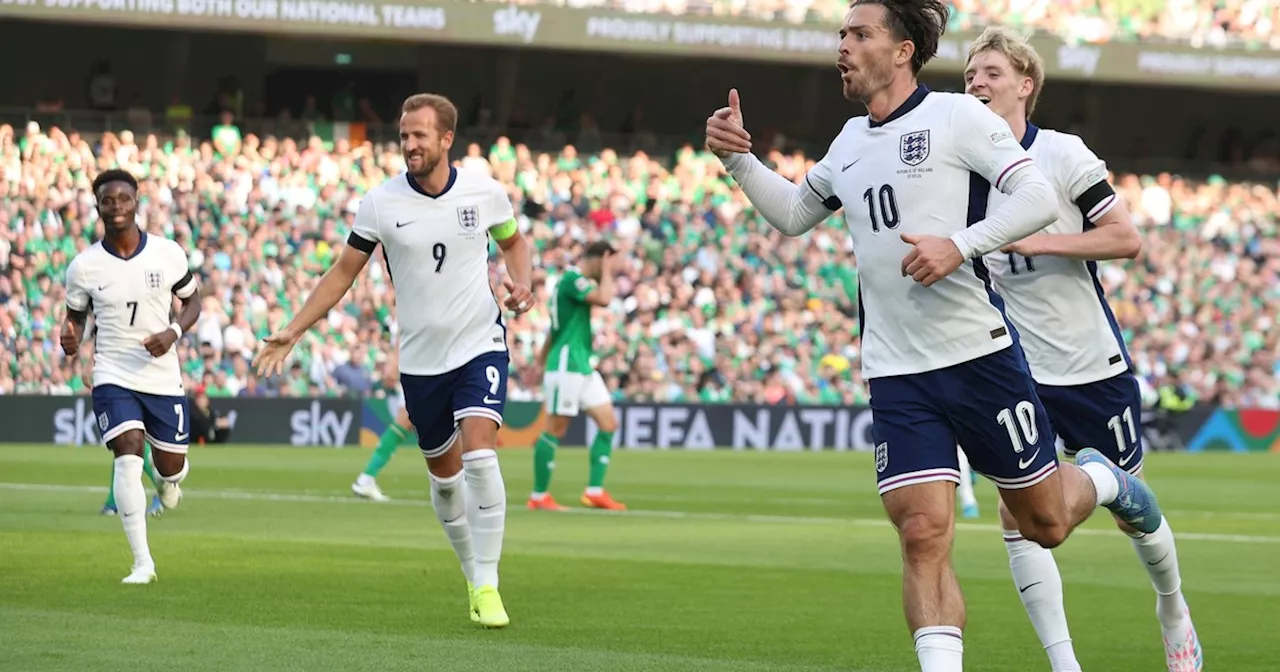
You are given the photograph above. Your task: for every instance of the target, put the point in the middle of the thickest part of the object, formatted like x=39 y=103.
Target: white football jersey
x=1067 y=329
x=131 y=299
x=926 y=169
x=437 y=251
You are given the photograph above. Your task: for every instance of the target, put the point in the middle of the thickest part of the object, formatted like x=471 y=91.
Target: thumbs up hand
x=725 y=132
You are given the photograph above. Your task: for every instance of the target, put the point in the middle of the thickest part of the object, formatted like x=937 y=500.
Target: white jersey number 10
x=888 y=202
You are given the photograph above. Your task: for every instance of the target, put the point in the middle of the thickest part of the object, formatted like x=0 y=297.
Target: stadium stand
x=715 y=307
x=1200 y=22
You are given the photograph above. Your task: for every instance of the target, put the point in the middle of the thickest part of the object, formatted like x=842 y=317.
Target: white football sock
x=449 y=500
x=965 y=489
x=1104 y=481
x=486 y=510
x=1039 y=584
x=940 y=648
x=131 y=503
x=1160 y=556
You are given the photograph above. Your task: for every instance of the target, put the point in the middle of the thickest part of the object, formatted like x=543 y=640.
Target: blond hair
x=1022 y=56
x=446 y=111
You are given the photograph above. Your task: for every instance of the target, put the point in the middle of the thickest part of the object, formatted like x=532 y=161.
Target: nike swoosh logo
x=850 y=165
x=1127 y=458
x=1153 y=564
x=488 y=400
x=1029 y=586
x=486 y=508
x=103 y=287
x=180 y=437
x=400 y=224
x=454 y=520
x=1023 y=464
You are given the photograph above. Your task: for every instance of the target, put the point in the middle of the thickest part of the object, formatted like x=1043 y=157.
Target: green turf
x=728 y=561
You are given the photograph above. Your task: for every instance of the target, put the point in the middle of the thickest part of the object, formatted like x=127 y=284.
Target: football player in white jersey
x=1072 y=341
x=943 y=363
x=127 y=281
x=434 y=223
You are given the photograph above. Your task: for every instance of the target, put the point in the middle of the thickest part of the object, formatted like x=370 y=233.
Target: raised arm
x=602 y=293
x=792 y=209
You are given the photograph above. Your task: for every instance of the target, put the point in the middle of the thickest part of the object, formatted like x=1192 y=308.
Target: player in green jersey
x=570 y=381
x=399 y=431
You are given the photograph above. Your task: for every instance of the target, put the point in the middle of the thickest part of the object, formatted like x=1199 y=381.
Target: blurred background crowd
x=713 y=305
x=1200 y=22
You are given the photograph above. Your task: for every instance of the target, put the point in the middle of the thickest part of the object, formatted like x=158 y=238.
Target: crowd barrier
x=342 y=422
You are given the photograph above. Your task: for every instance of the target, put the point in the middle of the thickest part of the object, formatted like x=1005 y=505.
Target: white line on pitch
x=257 y=496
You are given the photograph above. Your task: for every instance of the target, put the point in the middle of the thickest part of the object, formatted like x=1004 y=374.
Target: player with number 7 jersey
x=128 y=281
x=434 y=223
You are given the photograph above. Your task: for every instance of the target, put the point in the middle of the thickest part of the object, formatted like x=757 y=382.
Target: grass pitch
x=738 y=562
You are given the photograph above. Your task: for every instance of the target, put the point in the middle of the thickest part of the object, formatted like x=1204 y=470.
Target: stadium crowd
x=1213 y=23
x=713 y=305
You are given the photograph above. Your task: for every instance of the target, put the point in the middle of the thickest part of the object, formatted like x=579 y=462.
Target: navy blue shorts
x=163 y=419
x=436 y=403
x=988 y=406
x=1106 y=415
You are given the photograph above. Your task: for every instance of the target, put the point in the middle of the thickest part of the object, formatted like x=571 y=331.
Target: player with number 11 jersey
x=1073 y=343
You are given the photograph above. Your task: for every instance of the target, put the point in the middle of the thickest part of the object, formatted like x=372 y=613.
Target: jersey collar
x=142 y=242
x=1030 y=136
x=912 y=102
x=413 y=184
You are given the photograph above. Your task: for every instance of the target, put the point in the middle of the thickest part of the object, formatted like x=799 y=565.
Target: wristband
x=177 y=329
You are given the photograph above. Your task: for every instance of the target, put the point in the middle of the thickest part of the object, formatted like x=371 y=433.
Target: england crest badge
x=913 y=148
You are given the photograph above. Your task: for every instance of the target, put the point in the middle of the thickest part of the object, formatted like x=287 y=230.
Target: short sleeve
x=1086 y=179
x=364 y=233
x=577 y=287
x=77 y=291
x=499 y=207
x=984 y=142
x=186 y=285
x=819 y=178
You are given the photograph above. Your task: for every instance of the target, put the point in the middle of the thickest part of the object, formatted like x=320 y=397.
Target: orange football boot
x=602 y=501
x=547 y=503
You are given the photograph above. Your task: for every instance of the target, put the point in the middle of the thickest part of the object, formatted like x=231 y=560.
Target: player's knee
x=477 y=434
x=925 y=536
x=606 y=422
x=131 y=442
x=557 y=425
x=445 y=466
x=1046 y=531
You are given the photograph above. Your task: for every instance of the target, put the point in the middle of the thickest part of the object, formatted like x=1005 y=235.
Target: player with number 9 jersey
x=434 y=223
